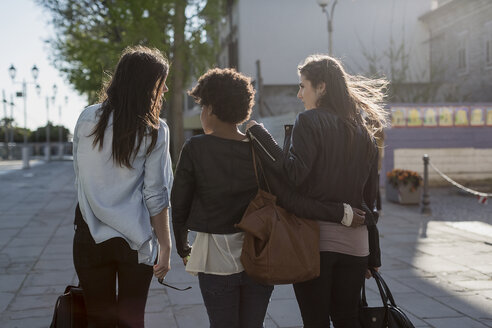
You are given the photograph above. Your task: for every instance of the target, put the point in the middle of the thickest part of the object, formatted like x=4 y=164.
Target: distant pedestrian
x=332 y=157
x=124 y=177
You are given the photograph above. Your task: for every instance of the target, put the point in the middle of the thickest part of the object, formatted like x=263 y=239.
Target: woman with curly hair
x=332 y=157
x=214 y=183
x=123 y=178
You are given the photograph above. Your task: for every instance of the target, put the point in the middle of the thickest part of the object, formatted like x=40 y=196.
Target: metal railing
x=425 y=204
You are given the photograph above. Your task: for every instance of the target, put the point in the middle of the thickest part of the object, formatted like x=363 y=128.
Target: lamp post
x=329 y=15
x=5 y=126
x=23 y=94
x=60 y=130
x=47 y=148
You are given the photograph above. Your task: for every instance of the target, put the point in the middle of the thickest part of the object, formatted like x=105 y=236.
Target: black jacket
x=214 y=183
x=324 y=163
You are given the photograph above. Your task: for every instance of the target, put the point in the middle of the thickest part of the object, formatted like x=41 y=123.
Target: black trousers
x=335 y=293
x=98 y=267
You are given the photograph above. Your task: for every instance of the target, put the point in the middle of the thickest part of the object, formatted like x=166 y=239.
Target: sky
x=24 y=26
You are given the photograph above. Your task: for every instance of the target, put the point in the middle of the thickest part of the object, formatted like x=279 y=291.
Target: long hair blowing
x=134 y=97
x=357 y=100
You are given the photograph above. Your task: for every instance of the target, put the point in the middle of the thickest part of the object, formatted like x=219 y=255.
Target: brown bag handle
x=256 y=171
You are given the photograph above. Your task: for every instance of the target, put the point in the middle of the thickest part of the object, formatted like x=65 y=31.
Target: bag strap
x=261 y=168
x=382 y=293
x=387 y=291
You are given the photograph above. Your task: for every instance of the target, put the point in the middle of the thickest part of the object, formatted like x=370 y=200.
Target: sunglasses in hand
x=161 y=281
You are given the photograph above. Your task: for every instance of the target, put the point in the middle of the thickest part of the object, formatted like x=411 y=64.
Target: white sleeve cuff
x=348 y=215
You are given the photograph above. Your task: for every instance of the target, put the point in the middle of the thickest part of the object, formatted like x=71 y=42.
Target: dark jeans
x=234 y=301
x=335 y=293
x=98 y=266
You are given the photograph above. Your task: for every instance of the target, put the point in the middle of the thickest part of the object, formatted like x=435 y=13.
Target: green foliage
x=90 y=35
x=40 y=134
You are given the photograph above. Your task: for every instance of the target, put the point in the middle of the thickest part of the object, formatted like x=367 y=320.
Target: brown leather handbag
x=279 y=247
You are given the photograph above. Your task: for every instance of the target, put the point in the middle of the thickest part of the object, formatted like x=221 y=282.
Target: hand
x=164 y=263
x=359 y=218
x=250 y=124
x=185 y=260
x=369 y=274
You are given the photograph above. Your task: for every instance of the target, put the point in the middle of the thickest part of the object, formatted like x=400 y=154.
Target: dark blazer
x=324 y=163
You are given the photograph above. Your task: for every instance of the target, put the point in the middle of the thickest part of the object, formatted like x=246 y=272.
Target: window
x=462 y=52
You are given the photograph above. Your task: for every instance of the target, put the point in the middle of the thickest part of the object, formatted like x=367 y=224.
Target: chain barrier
x=482 y=196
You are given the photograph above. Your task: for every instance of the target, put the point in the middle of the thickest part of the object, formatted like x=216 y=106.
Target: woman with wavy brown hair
x=123 y=176
x=332 y=157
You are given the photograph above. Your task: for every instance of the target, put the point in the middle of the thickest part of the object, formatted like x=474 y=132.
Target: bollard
x=424 y=207
x=60 y=151
x=47 y=153
x=25 y=157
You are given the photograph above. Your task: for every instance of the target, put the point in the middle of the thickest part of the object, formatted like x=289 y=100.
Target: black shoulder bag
x=388 y=316
x=70 y=309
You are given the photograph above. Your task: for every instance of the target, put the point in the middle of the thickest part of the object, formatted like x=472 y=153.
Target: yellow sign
x=445 y=116
x=398 y=117
x=477 y=117
x=461 y=116
x=430 y=117
x=489 y=117
x=414 y=117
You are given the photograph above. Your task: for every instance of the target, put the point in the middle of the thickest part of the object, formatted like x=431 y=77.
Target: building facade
x=268 y=39
x=460 y=45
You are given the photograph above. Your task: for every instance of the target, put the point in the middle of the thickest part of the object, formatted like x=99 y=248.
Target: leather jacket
x=324 y=162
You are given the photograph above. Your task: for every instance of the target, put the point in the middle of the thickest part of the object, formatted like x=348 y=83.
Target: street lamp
x=60 y=130
x=329 y=15
x=6 y=126
x=23 y=94
x=47 y=148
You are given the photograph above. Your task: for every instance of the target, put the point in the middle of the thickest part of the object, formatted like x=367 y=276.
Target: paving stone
x=53 y=265
x=164 y=318
x=8 y=221
x=474 y=306
x=34 y=322
x=285 y=313
x=62 y=277
x=5 y=299
x=191 y=316
x=26 y=303
x=433 y=264
x=461 y=322
x=11 y=282
x=424 y=307
x=476 y=284
x=41 y=290
x=157 y=301
x=283 y=292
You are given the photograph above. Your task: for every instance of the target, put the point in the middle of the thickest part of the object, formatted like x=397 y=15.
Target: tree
x=39 y=135
x=90 y=35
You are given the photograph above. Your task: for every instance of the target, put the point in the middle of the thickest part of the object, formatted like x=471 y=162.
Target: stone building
x=460 y=45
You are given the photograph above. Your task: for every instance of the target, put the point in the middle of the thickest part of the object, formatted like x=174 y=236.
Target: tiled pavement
x=439 y=270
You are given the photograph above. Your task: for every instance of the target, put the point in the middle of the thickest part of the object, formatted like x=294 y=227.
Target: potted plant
x=403 y=186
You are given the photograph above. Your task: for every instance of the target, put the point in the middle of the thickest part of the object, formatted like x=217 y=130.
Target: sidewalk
x=439 y=270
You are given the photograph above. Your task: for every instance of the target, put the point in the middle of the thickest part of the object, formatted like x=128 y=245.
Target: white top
x=116 y=201
x=216 y=254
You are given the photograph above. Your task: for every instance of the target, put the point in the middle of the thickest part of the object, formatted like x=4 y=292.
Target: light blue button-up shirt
x=117 y=201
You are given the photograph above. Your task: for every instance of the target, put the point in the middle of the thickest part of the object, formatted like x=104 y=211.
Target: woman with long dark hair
x=123 y=177
x=332 y=157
